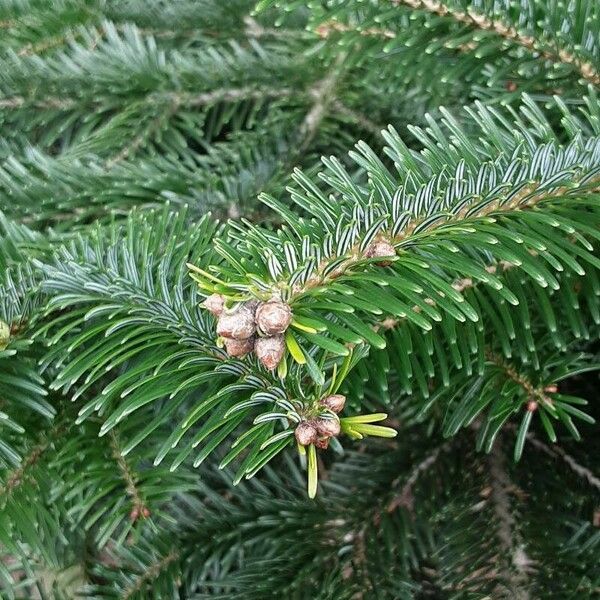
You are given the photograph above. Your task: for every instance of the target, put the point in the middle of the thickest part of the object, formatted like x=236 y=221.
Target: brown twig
x=515 y=576
x=405 y=496
x=139 y=507
x=358 y=118
x=558 y=452
x=536 y=394
x=149 y=575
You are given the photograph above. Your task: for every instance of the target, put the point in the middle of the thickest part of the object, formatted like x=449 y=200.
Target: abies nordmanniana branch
x=471 y=252
x=460 y=263
x=404 y=251
x=439 y=283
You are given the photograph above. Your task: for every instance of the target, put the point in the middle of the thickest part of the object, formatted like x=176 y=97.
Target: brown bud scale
x=328 y=427
x=381 y=248
x=215 y=304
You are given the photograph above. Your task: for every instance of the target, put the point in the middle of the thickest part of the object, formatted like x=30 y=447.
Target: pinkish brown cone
x=335 y=403
x=237 y=324
x=328 y=427
x=239 y=348
x=270 y=350
x=306 y=433
x=273 y=317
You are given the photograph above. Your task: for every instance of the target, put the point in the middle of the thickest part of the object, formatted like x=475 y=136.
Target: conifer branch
x=405 y=497
x=536 y=394
x=510 y=543
x=139 y=507
x=557 y=452
x=151 y=573
x=16 y=477
x=183 y=99
x=322 y=94
x=480 y=21
x=528 y=197
x=358 y=118
x=460 y=285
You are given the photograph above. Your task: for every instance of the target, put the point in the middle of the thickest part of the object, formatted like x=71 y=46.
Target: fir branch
x=139 y=507
x=327 y=28
x=184 y=99
x=405 y=497
x=322 y=94
x=535 y=394
x=460 y=285
x=361 y=120
x=510 y=543
x=151 y=573
x=16 y=477
x=528 y=197
x=558 y=452
x=475 y=19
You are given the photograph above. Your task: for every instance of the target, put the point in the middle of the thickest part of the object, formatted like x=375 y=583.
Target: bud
x=273 y=317
x=215 y=303
x=239 y=348
x=306 y=433
x=381 y=248
x=237 y=324
x=335 y=403
x=328 y=427
x=134 y=514
x=145 y=512
x=4 y=335
x=551 y=389
x=270 y=350
x=532 y=406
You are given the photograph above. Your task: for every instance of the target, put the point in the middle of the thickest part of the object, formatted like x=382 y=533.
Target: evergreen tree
x=299 y=299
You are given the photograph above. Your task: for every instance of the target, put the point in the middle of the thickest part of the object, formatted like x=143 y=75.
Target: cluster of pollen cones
x=320 y=430
x=252 y=327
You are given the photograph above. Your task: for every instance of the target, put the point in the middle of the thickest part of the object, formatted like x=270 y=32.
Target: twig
x=510 y=544
x=15 y=478
x=150 y=574
x=460 y=285
x=358 y=118
x=475 y=19
x=139 y=507
x=405 y=496
x=558 y=452
x=322 y=93
x=537 y=394
x=324 y=30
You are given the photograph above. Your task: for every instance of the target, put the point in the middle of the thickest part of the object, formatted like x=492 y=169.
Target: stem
x=558 y=452
x=510 y=543
x=150 y=574
x=473 y=18
x=528 y=197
